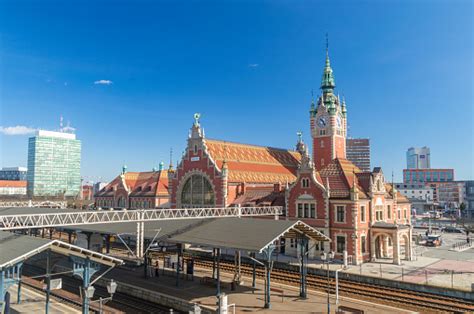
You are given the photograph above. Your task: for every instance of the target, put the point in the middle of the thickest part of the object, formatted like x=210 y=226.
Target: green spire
x=327 y=82
x=312 y=110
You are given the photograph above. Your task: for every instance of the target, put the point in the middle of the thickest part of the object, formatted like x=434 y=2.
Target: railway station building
x=134 y=190
x=362 y=213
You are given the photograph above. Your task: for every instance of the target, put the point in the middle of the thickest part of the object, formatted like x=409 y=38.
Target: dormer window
x=139 y=189
x=305 y=183
x=149 y=188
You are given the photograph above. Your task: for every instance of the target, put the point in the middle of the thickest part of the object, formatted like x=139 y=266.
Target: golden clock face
x=322 y=121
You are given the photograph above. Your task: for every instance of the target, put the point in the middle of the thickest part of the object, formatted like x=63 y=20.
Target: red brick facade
x=362 y=213
x=135 y=190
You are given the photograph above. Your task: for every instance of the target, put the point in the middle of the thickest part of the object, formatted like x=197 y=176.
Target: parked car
x=450 y=229
x=433 y=240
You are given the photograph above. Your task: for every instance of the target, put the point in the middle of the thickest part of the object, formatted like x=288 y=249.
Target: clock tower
x=328 y=122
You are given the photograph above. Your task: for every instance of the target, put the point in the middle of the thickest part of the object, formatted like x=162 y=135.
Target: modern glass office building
x=418 y=158
x=54 y=164
x=13 y=173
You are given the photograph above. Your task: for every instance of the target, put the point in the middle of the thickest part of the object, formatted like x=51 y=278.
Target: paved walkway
x=35 y=302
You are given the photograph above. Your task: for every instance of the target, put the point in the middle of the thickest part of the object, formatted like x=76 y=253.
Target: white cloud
x=103 y=82
x=253 y=65
x=17 y=130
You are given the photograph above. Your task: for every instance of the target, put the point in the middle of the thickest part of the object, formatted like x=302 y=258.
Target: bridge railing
x=39 y=220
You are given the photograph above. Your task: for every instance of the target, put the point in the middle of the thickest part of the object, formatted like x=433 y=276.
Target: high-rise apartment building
x=358 y=152
x=13 y=173
x=418 y=158
x=54 y=162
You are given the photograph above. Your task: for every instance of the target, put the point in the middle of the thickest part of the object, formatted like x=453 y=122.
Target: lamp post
x=111 y=288
x=326 y=258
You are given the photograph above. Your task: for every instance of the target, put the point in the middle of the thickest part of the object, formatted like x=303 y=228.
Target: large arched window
x=197 y=191
x=121 y=202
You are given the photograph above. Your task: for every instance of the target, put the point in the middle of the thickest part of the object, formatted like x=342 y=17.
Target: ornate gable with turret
x=220 y=173
x=359 y=210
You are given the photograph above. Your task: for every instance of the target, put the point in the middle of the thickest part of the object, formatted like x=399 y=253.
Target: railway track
x=390 y=296
x=121 y=302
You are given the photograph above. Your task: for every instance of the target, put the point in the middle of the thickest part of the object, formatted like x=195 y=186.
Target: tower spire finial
x=171 y=158
x=327 y=44
x=300 y=136
x=327 y=83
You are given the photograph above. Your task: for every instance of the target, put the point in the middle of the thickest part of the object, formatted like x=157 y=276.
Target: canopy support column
x=218 y=283
x=85 y=269
x=18 y=298
x=48 y=280
x=303 y=242
x=9 y=277
x=107 y=244
x=178 y=263
x=213 y=263
x=268 y=268
x=254 y=265
x=237 y=270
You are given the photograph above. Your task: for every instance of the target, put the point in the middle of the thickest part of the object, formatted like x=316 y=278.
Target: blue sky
x=405 y=68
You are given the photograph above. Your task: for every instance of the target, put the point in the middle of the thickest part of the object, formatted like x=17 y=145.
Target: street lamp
x=326 y=258
x=111 y=288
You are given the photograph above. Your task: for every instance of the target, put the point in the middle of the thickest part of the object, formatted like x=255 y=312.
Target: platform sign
x=56 y=284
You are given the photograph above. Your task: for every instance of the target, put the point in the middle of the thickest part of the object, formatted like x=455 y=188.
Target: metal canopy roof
x=15 y=248
x=249 y=234
x=33 y=210
x=252 y=235
x=167 y=228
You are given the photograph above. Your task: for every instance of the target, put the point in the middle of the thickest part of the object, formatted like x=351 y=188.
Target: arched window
x=121 y=202
x=197 y=191
x=305 y=183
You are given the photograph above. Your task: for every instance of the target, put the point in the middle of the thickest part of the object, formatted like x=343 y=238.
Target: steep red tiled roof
x=255 y=164
x=156 y=184
x=340 y=175
x=151 y=183
x=255 y=196
x=12 y=184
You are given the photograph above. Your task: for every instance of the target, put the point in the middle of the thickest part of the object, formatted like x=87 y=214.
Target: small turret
x=162 y=166
x=343 y=106
x=300 y=146
x=124 y=169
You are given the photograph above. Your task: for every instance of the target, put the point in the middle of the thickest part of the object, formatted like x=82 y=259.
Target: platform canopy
x=253 y=235
x=248 y=234
x=33 y=210
x=15 y=248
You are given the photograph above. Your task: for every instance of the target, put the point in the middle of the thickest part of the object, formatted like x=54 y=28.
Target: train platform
x=33 y=301
x=433 y=267
x=284 y=298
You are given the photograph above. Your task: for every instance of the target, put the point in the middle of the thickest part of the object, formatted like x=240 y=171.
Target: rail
x=46 y=220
